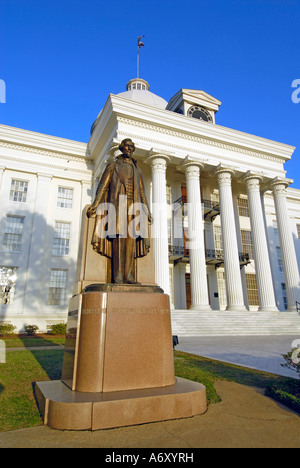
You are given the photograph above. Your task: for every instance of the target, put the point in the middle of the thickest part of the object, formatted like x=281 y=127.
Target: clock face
x=200 y=113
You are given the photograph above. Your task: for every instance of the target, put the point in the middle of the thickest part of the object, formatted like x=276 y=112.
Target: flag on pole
x=140 y=43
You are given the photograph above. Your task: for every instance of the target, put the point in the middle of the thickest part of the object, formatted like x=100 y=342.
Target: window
x=218 y=237
x=65 y=197
x=18 y=191
x=57 y=287
x=222 y=288
x=247 y=243
x=284 y=295
x=243 y=207
x=252 y=289
x=170 y=237
x=298 y=230
x=169 y=195
x=279 y=258
x=61 y=244
x=8 y=278
x=12 y=240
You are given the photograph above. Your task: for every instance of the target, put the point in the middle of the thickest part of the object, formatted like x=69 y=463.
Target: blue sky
x=61 y=59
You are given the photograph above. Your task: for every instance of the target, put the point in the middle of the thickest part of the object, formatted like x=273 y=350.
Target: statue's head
x=127 y=147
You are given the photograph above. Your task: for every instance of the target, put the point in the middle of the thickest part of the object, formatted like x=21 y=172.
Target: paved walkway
x=257 y=352
x=243 y=419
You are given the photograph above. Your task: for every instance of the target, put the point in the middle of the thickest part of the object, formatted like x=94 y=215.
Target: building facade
x=226 y=223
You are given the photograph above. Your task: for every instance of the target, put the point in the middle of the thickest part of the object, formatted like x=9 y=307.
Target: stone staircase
x=226 y=323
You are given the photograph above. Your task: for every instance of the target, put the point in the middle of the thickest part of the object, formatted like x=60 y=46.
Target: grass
x=25 y=341
x=17 y=404
x=18 y=408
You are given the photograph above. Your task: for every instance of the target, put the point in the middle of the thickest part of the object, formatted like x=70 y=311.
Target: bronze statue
x=122 y=215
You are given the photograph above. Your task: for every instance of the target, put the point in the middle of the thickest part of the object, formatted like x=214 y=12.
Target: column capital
x=279 y=184
x=190 y=162
x=250 y=175
x=157 y=159
x=221 y=169
x=224 y=174
x=113 y=149
x=253 y=180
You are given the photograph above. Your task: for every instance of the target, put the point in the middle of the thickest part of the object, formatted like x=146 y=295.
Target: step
x=216 y=323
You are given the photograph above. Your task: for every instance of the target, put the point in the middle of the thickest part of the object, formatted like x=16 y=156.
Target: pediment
x=193 y=97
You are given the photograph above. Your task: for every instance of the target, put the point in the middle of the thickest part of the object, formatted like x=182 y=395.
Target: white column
x=234 y=289
x=199 y=290
x=261 y=254
x=289 y=260
x=160 y=224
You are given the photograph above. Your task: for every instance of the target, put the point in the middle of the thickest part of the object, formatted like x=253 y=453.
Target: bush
x=31 y=329
x=286 y=392
x=7 y=329
x=58 y=329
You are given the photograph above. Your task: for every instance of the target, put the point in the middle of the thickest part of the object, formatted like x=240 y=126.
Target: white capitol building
x=240 y=272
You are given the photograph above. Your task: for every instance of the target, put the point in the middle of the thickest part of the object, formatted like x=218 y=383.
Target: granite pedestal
x=118 y=365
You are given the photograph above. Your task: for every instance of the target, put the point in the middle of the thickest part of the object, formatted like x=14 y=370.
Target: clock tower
x=196 y=104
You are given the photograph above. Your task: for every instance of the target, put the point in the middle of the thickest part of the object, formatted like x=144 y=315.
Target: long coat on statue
x=111 y=187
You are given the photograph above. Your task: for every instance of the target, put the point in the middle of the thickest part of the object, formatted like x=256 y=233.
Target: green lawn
x=18 y=408
x=17 y=404
x=24 y=341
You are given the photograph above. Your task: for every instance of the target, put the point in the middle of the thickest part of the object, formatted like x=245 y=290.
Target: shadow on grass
x=225 y=371
x=50 y=360
x=40 y=340
x=1 y=388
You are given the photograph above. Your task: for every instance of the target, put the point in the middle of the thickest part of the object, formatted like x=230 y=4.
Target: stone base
x=118 y=339
x=65 y=409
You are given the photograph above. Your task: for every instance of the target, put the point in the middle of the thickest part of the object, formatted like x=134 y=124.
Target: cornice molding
x=31 y=167
x=33 y=150
x=197 y=139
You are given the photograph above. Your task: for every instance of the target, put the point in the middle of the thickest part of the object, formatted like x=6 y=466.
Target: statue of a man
x=121 y=195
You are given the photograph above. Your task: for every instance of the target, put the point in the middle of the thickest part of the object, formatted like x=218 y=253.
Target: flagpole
x=139 y=45
x=138 y=61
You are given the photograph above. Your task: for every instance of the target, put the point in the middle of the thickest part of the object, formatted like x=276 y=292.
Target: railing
x=212 y=205
x=210 y=254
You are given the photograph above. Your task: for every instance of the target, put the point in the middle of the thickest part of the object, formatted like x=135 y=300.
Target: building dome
x=138 y=91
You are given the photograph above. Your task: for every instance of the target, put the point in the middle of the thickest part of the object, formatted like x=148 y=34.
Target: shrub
x=31 y=329
x=58 y=329
x=286 y=392
x=7 y=329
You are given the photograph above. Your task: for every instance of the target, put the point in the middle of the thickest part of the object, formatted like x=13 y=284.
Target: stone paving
x=257 y=352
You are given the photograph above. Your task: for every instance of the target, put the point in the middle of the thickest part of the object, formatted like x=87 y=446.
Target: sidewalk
x=243 y=419
x=257 y=352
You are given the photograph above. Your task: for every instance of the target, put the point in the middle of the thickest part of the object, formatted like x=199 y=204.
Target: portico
x=226 y=223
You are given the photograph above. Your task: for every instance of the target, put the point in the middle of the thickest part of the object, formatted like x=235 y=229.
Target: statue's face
x=128 y=149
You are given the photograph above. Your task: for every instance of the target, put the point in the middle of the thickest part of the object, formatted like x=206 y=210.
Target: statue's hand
x=91 y=211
